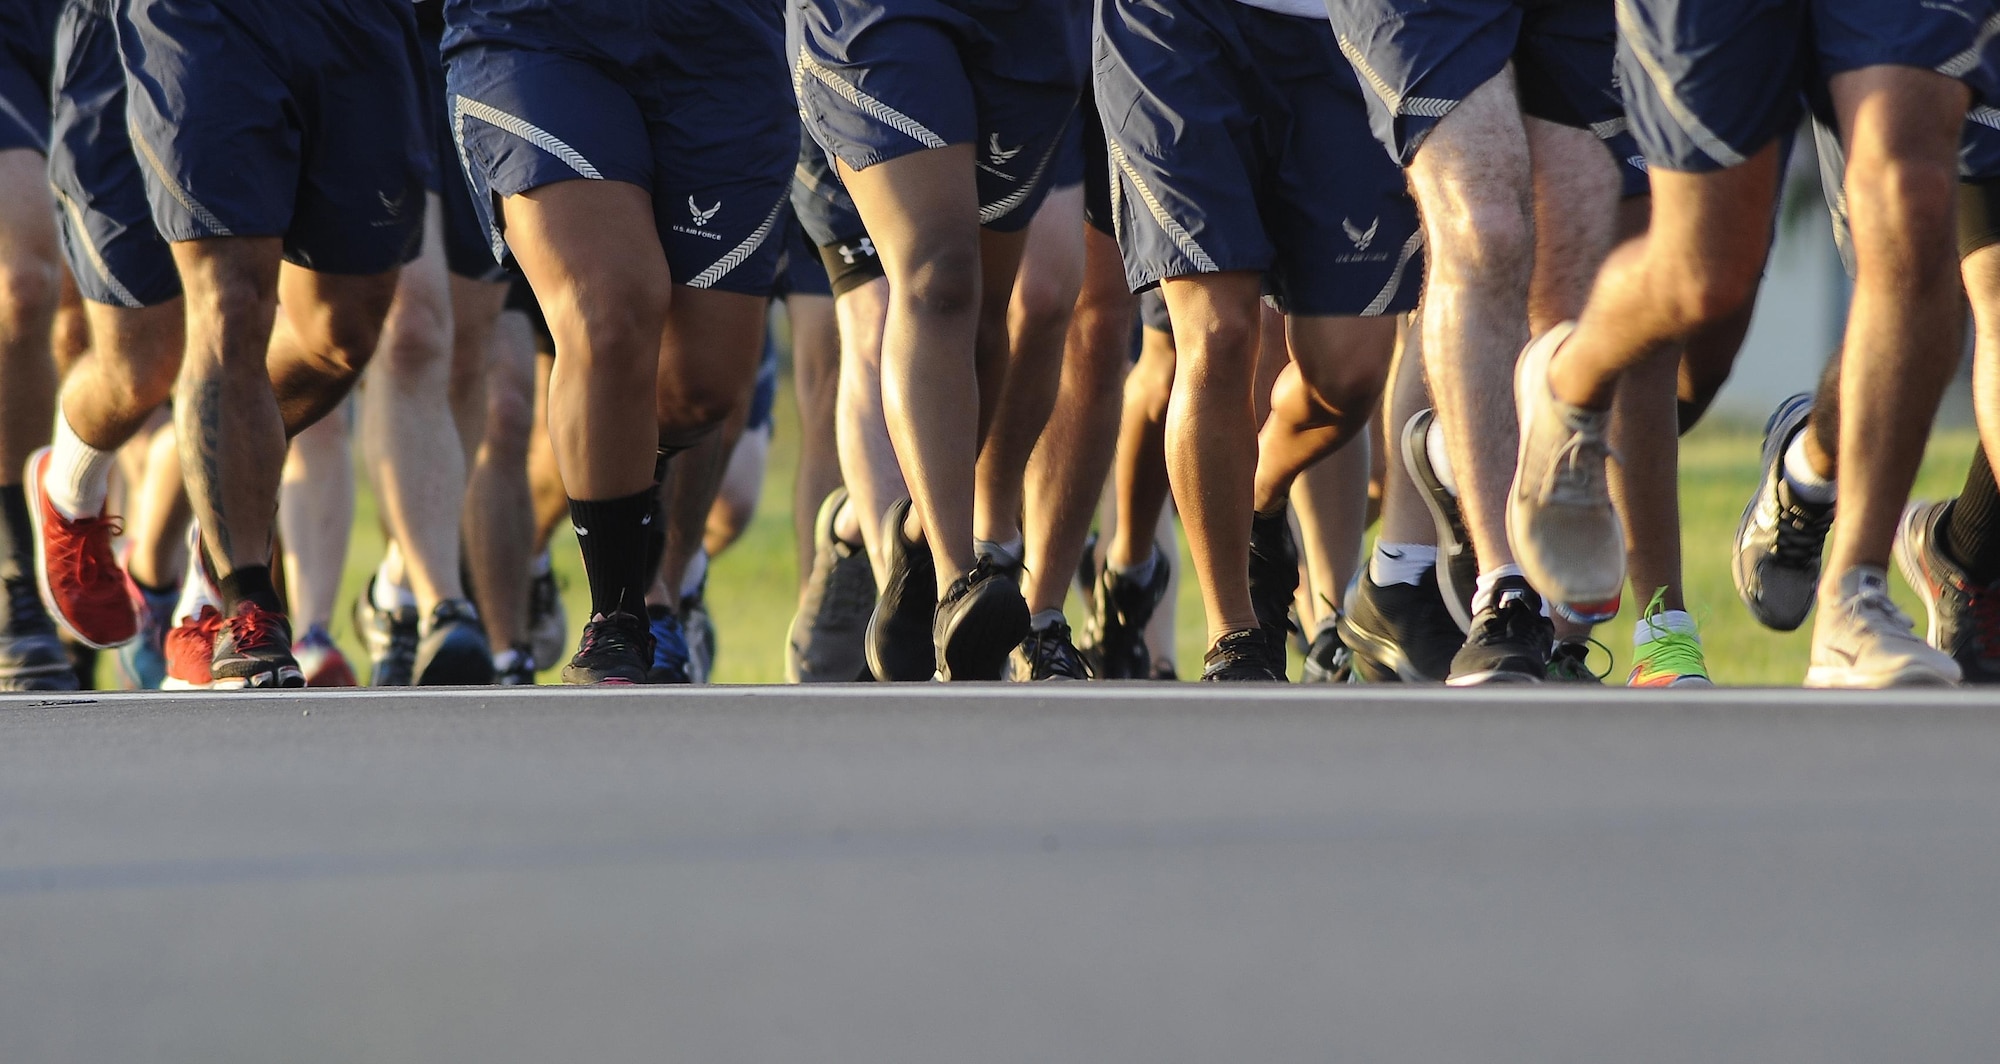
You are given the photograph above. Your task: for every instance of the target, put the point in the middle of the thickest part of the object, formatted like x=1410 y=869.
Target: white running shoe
x=1865 y=641
x=1565 y=532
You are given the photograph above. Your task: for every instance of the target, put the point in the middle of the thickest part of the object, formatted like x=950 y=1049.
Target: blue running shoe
x=670 y=648
x=142 y=663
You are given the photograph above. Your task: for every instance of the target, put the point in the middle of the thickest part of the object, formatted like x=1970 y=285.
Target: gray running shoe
x=548 y=622
x=1866 y=641
x=829 y=636
x=32 y=656
x=1458 y=564
x=1565 y=532
x=1964 y=616
x=390 y=637
x=1780 y=539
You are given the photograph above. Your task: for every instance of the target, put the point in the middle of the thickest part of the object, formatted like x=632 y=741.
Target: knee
x=1713 y=289
x=1344 y=386
x=30 y=288
x=1481 y=238
x=510 y=417
x=1912 y=203
x=941 y=281
x=414 y=341
x=1043 y=303
x=617 y=323
x=1222 y=345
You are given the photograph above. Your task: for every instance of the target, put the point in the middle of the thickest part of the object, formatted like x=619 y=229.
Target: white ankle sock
x=1440 y=458
x=1008 y=553
x=1648 y=629
x=1041 y=621
x=1806 y=485
x=1482 y=592
x=1139 y=572
x=79 y=475
x=196 y=588
x=390 y=596
x=1400 y=563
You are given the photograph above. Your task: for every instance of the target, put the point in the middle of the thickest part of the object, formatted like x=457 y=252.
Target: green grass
x=753 y=587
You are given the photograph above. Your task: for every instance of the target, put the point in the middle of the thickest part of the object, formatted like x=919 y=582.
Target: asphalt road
x=1096 y=874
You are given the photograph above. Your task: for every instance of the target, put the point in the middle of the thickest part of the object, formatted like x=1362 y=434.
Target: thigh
x=1423 y=58
x=113 y=251
x=1709 y=83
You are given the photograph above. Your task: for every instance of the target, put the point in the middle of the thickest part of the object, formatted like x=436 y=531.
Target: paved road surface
x=1078 y=874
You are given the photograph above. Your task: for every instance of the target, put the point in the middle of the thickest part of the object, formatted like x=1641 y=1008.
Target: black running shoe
x=253 y=648
x=390 y=637
x=548 y=623
x=1242 y=657
x=1400 y=632
x=520 y=670
x=1123 y=607
x=1274 y=578
x=1049 y=654
x=979 y=622
x=32 y=656
x=616 y=648
x=1964 y=616
x=899 y=631
x=453 y=651
x=1510 y=640
x=1458 y=565
x=1327 y=659
x=1569 y=662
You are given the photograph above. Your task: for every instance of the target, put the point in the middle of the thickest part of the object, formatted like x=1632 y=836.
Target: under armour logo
x=866 y=247
x=702 y=217
x=1361 y=237
x=1000 y=154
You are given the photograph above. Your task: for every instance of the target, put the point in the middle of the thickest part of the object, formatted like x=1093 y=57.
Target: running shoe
x=452 y=650
x=699 y=627
x=390 y=637
x=1865 y=641
x=1274 y=578
x=979 y=622
x=1780 y=539
x=1964 y=616
x=190 y=652
x=1400 y=632
x=1327 y=658
x=1242 y=657
x=1049 y=654
x=82 y=584
x=515 y=667
x=828 y=640
x=900 y=631
x=1458 y=563
x=616 y=648
x=321 y=661
x=1569 y=662
x=142 y=663
x=1121 y=609
x=1560 y=520
x=253 y=648
x=670 y=647
x=1510 y=640
x=548 y=622
x=1669 y=659
x=32 y=655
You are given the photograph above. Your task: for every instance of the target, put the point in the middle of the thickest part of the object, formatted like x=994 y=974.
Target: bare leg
x=499 y=518
x=158 y=517
x=1067 y=472
x=708 y=367
x=1140 y=465
x=30 y=288
x=544 y=479
x=742 y=483
x=816 y=376
x=1323 y=400
x=867 y=458
x=315 y=515
x=1330 y=499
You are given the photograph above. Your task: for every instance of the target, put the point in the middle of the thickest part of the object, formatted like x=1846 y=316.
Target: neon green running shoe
x=1669 y=659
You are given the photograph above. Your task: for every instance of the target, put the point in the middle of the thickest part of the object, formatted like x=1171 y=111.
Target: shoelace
x=24 y=605
x=1670 y=651
x=1576 y=473
x=1571 y=659
x=1053 y=653
x=1874 y=608
x=256 y=628
x=88 y=551
x=605 y=636
x=1801 y=534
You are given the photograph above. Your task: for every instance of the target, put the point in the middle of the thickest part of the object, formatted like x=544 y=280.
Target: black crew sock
x=1972 y=528
x=249 y=583
x=17 y=552
x=612 y=534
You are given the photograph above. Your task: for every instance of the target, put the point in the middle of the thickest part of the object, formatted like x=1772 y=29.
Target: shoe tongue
x=1866 y=580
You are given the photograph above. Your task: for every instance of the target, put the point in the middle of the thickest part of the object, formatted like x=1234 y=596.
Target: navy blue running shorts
x=104 y=219
x=27 y=37
x=299 y=120
x=1422 y=58
x=801 y=273
x=1710 y=83
x=1239 y=139
x=880 y=79
x=684 y=98
x=467 y=251
x=828 y=219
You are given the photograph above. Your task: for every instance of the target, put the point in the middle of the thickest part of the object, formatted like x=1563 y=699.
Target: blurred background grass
x=753 y=587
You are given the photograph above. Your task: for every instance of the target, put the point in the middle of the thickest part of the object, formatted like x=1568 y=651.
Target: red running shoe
x=253 y=648
x=191 y=652
x=82 y=584
x=322 y=662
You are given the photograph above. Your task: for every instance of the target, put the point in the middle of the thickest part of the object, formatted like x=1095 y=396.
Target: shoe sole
x=1416 y=464
x=288 y=677
x=1912 y=535
x=1533 y=367
x=37 y=498
x=1500 y=676
x=1770 y=454
x=1835 y=677
x=1379 y=651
